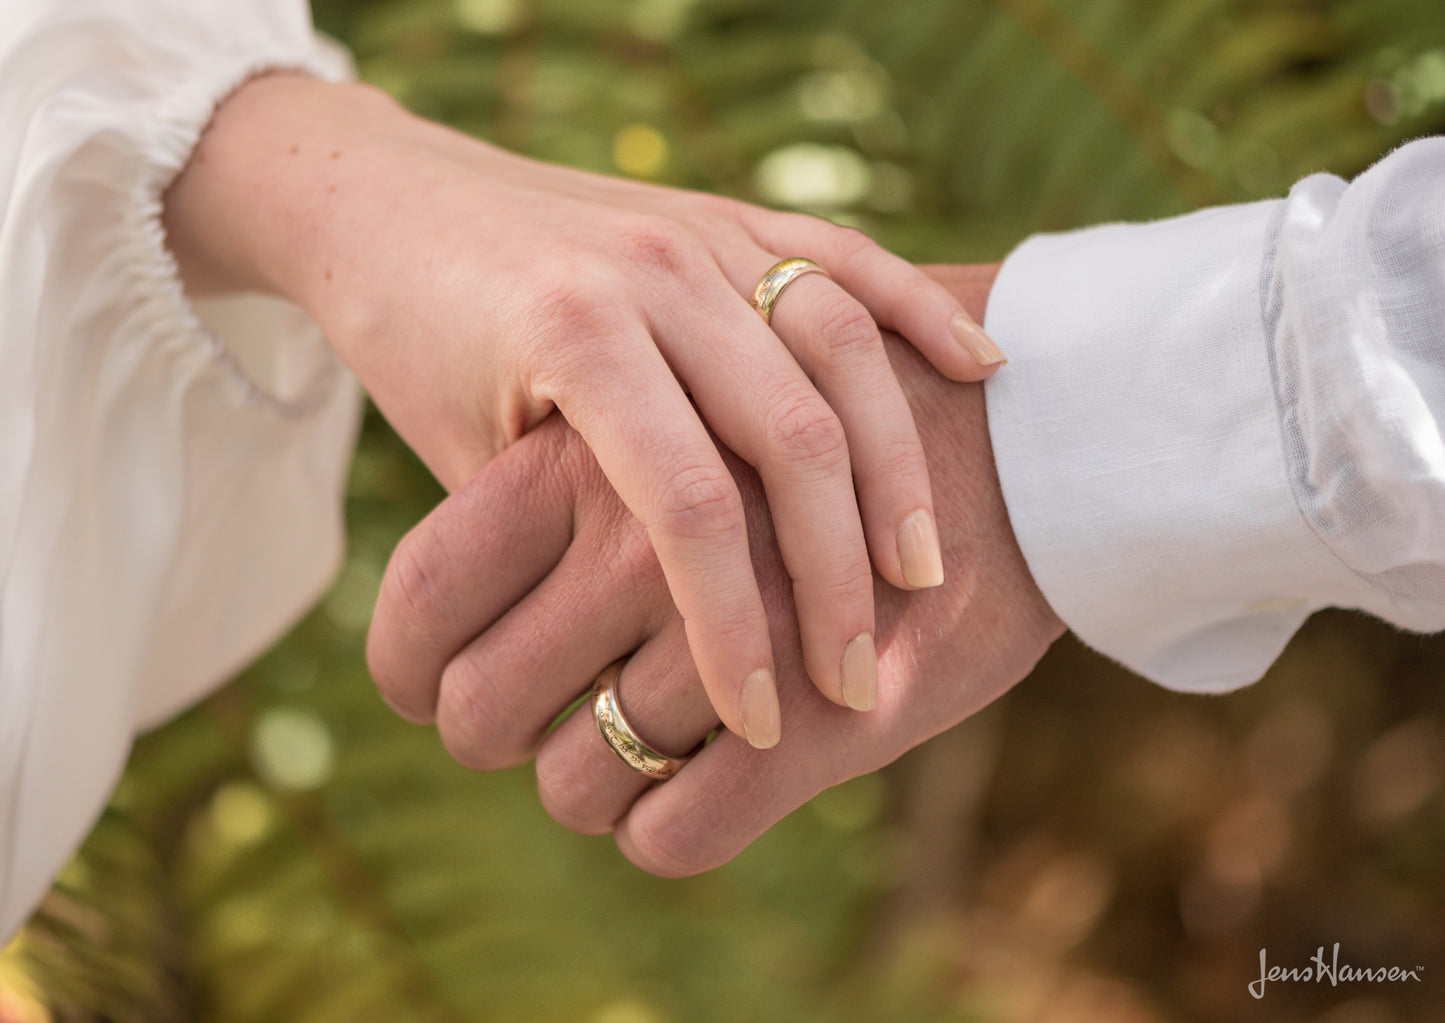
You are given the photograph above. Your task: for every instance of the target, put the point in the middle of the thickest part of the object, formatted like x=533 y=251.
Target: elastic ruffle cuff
x=253 y=321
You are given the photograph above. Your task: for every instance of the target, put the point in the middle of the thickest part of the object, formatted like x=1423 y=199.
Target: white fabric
x=1212 y=426
x=170 y=478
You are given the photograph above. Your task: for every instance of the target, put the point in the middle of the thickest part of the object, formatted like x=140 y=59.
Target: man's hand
x=523 y=586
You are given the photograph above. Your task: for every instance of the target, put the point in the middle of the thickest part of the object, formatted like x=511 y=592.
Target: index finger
x=474 y=556
x=896 y=293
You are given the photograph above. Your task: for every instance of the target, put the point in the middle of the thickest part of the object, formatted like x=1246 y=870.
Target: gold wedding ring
x=778 y=277
x=626 y=743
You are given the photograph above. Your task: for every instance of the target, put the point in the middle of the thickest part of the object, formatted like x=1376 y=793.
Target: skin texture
x=525 y=584
x=474 y=292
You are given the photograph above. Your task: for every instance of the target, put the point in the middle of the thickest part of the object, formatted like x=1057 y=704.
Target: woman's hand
x=473 y=291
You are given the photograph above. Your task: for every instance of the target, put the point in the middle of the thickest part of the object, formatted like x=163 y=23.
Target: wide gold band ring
x=778 y=277
x=626 y=743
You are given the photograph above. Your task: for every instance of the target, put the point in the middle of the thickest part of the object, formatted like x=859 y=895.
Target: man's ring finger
x=626 y=743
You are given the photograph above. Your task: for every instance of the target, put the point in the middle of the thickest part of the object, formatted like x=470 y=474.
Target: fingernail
x=979 y=344
x=860 y=673
x=759 y=707
x=918 y=551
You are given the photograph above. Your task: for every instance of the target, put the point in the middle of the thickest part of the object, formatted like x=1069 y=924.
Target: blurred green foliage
x=1092 y=848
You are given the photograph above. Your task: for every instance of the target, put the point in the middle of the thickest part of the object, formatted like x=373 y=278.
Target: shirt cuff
x=1138 y=444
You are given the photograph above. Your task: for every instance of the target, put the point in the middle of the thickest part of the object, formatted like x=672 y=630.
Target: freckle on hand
x=335 y=154
x=295 y=150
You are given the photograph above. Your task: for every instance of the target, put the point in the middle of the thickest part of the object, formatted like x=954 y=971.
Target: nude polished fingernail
x=918 y=551
x=758 y=704
x=860 y=672
x=979 y=344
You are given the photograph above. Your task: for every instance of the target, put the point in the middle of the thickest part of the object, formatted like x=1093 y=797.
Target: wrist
x=953 y=422
x=254 y=208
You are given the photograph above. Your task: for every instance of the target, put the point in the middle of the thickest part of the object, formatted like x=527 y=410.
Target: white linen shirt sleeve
x=1212 y=426
x=170 y=475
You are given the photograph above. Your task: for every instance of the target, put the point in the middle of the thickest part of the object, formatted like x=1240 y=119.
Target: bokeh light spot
x=639 y=150
x=1289 y=750
x=840 y=95
x=659 y=20
x=292 y=749
x=240 y=813
x=812 y=176
x=628 y=1010
x=1400 y=771
x=489 y=17
x=1069 y=896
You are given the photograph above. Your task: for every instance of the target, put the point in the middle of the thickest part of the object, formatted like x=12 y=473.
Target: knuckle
x=700 y=502
x=734 y=629
x=851 y=586
x=844 y=326
x=656 y=249
x=409 y=696
x=411 y=596
x=801 y=427
x=853 y=249
x=563 y=308
x=902 y=463
x=476 y=726
x=667 y=851
x=918 y=292
x=568 y=793
x=563 y=300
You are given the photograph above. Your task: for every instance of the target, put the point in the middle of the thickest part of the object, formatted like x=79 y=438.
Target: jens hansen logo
x=1334 y=971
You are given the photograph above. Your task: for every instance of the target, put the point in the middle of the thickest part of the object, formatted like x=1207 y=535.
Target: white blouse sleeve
x=1212 y=426
x=170 y=475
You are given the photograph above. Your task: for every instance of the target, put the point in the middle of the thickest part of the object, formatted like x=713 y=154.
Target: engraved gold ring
x=778 y=277
x=626 y=743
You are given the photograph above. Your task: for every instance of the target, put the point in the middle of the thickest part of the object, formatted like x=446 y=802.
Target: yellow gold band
x=778 y=277
x=626 y=743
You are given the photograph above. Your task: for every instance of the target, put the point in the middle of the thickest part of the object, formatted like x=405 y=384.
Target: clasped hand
x=523 y=585
x=474 y=292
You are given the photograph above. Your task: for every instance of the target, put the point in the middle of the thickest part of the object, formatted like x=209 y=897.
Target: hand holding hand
x=473 y=291
x=571 y=585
